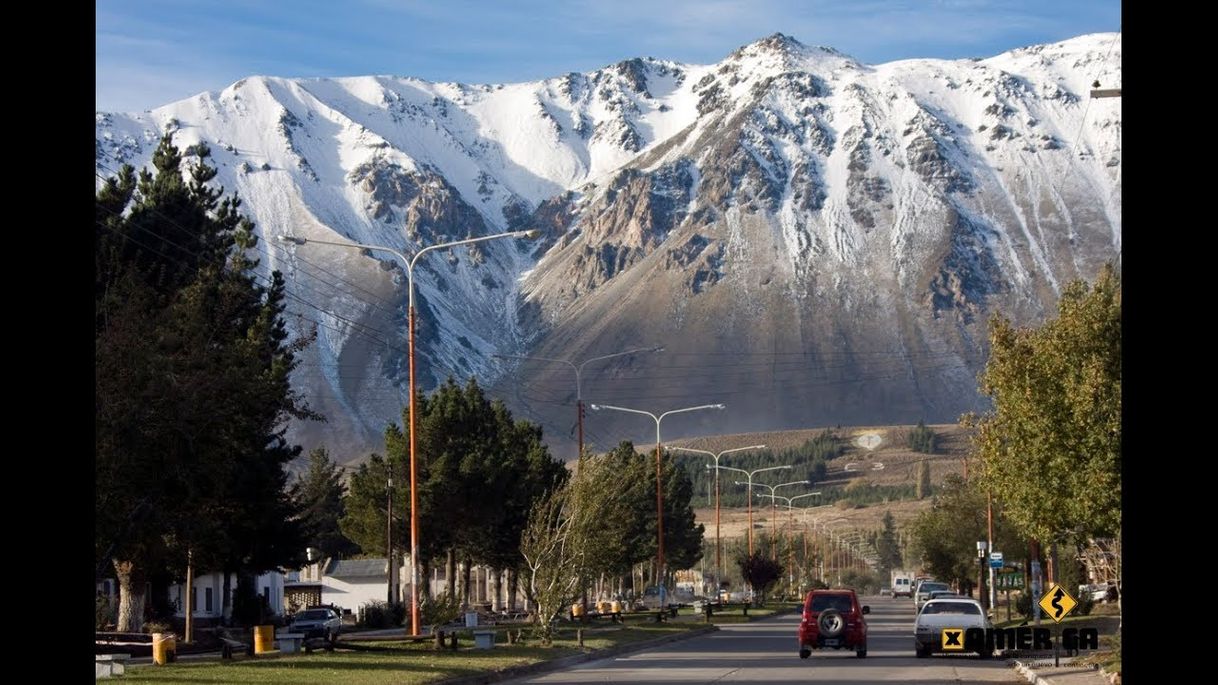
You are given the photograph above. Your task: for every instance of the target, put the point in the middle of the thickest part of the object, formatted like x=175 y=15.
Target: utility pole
x=989 y=519
x=389 y=543
x=190 y=593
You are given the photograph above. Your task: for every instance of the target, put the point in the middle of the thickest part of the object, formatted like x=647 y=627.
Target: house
x=352 y=583
x=205 y=601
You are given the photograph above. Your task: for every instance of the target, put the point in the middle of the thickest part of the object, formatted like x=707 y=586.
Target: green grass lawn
x=735 y=613
x=395 y=662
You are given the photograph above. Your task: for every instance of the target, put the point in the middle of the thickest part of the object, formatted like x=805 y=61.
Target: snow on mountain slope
x=840 y=231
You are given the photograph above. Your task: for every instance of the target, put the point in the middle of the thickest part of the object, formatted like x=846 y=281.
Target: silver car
x=947 y=612
x=317 y=622
x=924 y=590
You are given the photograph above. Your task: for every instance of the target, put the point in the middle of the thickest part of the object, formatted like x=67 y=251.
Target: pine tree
x=886 y=546
x=192 y=361
x=366 y=503
x=923 y=480
x=320 y=492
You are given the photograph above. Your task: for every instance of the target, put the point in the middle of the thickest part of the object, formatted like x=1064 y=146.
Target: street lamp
x=579 y=395
x=659 y=485
x=834 y=553
x=773 y=511
x=789 y=504
x=414 y=518
x=749 y=499
x=718 y=547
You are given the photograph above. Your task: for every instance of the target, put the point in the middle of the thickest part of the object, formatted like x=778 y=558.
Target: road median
x=569 y=661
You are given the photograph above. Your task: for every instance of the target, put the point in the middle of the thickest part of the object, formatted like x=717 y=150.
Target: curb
x=1030 y=675
x=1036 y=679
x=568 y=661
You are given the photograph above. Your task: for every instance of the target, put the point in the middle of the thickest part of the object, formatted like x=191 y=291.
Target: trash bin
x=164 y=648
x=471 y=619
x=264 y=639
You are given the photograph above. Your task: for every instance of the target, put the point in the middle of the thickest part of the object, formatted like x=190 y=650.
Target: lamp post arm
x=455 y=243
x=741 y=449
x=732 y=468
x=632 y=411
x=679 y=411
x=706 y=452
x=619 y=354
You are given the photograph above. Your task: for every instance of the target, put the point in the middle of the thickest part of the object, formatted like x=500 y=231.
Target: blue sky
x=152 y=52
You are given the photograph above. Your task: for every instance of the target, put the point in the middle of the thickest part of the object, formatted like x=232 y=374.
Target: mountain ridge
x=864 y=219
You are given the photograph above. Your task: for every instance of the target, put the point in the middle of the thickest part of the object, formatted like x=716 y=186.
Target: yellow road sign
x=953 y=638
x=1057 y=603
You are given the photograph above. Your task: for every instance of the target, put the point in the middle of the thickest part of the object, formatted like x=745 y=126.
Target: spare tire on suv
x=833 y=619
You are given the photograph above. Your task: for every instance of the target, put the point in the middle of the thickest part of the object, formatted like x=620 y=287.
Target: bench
x=111 y=664
x=229 y=646
x=289 y=643
x=484 y=639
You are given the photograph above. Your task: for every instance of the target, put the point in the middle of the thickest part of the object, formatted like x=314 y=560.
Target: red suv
x=833 y=618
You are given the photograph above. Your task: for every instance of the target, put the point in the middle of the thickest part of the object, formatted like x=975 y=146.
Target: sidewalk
x=1042 y=672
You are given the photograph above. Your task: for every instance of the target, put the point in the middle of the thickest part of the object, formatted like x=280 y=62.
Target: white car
x=946 y=612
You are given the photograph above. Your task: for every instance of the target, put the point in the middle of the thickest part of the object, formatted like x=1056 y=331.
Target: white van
x=902 y=584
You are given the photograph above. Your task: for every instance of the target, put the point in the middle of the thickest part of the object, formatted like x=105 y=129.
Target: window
x=207 y=600
x=840 y=602
x=966 y=608
x=194 y=599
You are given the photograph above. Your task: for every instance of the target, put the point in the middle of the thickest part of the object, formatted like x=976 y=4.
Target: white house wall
x=352 y=593
x=270 y=584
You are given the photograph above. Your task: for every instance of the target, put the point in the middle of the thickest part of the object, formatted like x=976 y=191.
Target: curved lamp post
x=579 y=395
x=774 y=509
x=659 y=485
x=749 y=499
x=414 y=518
x=718 y=546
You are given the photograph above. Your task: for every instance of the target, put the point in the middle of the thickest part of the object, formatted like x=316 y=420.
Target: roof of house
x=356 y=568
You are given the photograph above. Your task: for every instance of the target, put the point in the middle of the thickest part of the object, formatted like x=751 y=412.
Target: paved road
x=766 y=652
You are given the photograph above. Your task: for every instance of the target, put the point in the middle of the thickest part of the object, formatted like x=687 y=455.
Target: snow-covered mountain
x=813 y=240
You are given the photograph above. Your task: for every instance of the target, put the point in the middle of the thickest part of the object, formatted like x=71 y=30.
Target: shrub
x=1023 y=604
x=921 y=439
x=383 y=614
x=103 y=613
x=435 y=611
x=1085 y=605
x=157 y=627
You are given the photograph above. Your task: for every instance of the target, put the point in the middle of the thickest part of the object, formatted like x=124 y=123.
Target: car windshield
x=313 y=615
x=952 y=608
x=931 y=587
x=840 y=602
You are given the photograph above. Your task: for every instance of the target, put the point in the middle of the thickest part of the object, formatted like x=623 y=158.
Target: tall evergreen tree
x=366 y=504
x=479 y=472
x=192 y=361
x=923 y=480
x=886 y=546
x=320 y=492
